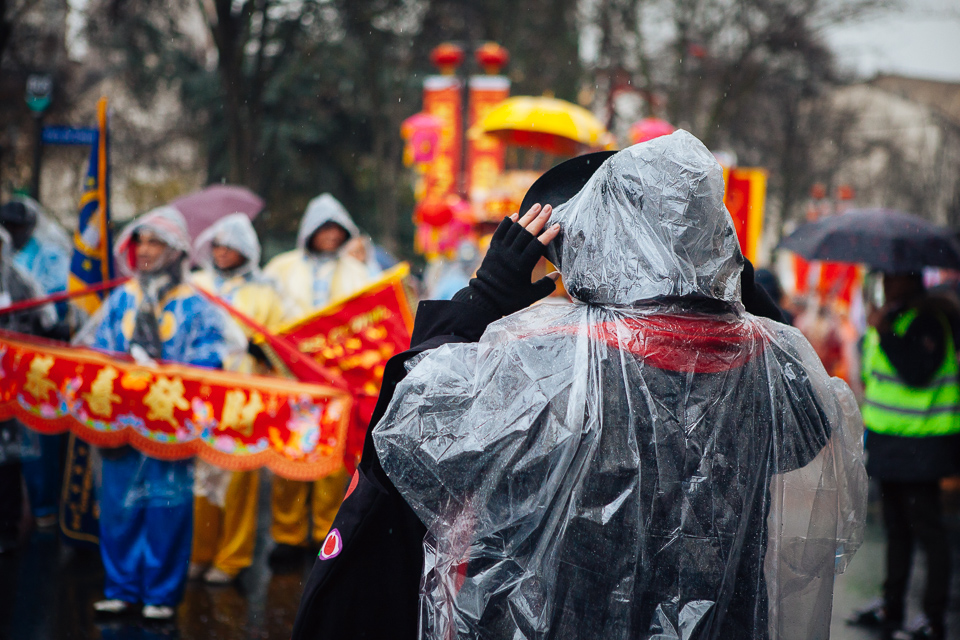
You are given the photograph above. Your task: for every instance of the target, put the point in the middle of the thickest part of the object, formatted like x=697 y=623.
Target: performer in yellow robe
x=328 y=264
x=225 y=504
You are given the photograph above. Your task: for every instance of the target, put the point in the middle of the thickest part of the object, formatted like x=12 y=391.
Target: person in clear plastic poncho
x=15 y=442
x=146 y=504
x=40 y=249
x=225 y=508
x=650 y=462
x=329 y=263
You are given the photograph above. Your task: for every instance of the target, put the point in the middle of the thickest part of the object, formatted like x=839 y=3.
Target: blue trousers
x=146 y=528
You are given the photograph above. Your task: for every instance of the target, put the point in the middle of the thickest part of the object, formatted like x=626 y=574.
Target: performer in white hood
x=225 y=506
x=329 y=263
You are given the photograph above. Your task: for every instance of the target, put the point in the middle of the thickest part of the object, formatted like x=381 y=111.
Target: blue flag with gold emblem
x=92 y=260
x=92 y=263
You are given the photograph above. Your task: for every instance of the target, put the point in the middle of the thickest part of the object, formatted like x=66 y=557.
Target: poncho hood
x=322 y=209
x=234 y=231
x=169 y=225
x=650 y=223
x=6 y=244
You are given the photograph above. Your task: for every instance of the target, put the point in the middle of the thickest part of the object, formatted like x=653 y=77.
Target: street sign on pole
x=39 y=91
x=69 y=135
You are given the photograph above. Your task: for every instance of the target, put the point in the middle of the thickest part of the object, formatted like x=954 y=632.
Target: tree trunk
x=227 y=35
x=6 y=28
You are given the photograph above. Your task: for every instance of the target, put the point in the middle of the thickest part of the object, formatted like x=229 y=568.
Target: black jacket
x=370 y=588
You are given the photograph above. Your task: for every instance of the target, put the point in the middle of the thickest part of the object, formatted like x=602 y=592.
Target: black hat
x=17 y=213
x=561 y=183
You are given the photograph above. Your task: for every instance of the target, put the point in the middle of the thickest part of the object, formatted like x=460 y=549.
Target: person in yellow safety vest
x=912 y=414
x=225 y=503
x=329 y=263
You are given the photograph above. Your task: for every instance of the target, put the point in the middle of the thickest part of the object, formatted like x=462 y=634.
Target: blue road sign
x=68 y=135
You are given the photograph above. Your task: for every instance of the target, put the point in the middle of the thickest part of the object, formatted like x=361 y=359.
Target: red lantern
x=492 y=57
x=446 y=57
x=435 y=213
x=845 y=192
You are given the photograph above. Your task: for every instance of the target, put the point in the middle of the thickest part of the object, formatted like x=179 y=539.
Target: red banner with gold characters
x=485 y=153
x=173 y=411
x=745 y=195
x=442 y=100
x=356 y=336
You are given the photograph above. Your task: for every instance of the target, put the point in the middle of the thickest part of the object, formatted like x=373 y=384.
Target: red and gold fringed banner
x=356 y=336
x=172 y=411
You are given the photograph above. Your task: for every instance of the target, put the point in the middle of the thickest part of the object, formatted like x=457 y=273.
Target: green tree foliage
x=296 y=97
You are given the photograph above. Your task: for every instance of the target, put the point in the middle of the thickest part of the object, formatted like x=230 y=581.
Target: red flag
x=302 y=368
x=355 y=337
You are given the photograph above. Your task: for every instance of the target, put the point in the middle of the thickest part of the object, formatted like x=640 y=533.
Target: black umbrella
x=891 y=241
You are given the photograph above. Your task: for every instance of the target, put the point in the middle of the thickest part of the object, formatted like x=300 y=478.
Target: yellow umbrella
x=552 y=125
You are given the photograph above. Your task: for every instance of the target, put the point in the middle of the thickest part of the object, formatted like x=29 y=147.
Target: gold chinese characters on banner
x=173 y=411
x=355 y=337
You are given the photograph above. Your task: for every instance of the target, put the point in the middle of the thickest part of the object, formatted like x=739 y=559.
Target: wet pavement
x=861 y=583
x=47 y=591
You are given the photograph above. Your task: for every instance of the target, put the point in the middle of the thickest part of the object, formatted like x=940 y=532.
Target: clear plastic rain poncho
x=16 y=285
x=189 y=329
x=649 y=462
x=250 y=292
x=245 y=287
x=16 y=442
x=309 y=280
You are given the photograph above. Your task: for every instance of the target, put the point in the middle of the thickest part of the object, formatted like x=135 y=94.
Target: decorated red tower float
x=475 y=158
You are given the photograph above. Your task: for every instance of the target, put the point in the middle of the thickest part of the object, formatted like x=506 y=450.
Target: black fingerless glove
x=503 y=279
x=755 y=298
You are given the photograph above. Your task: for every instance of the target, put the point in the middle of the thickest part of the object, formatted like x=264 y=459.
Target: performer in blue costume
x=40 y=250
x=146 y=505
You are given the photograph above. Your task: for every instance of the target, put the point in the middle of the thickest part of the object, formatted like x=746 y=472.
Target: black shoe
x=872 y=615
x=929 y=632
x=284 y=555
